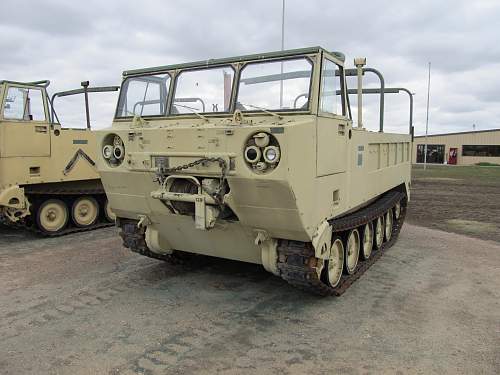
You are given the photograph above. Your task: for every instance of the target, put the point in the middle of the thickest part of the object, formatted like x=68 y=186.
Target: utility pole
x=427 y=119
x=282 y=48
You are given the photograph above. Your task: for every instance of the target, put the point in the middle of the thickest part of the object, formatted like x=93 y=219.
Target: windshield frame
x=177 y=74
x=3 y=96
x=126 y=80
x=307 y=57
x=312 y=54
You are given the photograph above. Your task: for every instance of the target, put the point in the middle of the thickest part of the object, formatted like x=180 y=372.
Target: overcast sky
x=71 y=41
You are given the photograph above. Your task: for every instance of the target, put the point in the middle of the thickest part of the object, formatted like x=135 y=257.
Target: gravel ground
x=459 y=199
x=81 y=304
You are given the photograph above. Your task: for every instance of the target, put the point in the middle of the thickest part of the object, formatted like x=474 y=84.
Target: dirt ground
x=81 y=304
x=457 y=199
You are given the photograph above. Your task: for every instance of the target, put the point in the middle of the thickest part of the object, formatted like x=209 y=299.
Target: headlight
x=262 y=152
x=113 y=150
x=107 y=152
x=272 y=154
x=118 y=152
x=252 y=154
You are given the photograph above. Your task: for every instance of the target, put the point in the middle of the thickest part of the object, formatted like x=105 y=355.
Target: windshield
x=266 y=85
x=203 y=90
x=275 y=85
x=144 y=96
x=24 y=104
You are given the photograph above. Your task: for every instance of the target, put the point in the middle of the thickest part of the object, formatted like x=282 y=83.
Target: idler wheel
x=335 y=262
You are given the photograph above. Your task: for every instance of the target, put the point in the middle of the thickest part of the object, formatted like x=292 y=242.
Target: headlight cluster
x=262 y=152
x=113 y=150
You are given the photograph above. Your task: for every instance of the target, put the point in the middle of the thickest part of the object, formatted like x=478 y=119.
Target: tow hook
x=143 y=221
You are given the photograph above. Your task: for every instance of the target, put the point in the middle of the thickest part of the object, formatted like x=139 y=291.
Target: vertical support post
x=227 y=91
x=282 y=48
x=359 y=62
x=427 y=117
x=85 y=85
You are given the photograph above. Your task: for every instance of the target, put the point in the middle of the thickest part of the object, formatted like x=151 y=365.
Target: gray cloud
x=68 y=42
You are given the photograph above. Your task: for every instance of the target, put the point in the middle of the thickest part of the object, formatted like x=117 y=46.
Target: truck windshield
x=275 y=85
x=22 y=103
x=203 y=90
x=144 y=96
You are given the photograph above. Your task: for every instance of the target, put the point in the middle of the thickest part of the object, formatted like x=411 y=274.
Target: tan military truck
x=255 y=158
x=48 y=177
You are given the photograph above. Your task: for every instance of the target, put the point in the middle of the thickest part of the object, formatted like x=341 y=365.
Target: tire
x=389 y=223
x=379 y=232
x=85 y=211
x=351 y=254
x=108 y=213
x=52 y=216
x=367 y=241
x=335 y=262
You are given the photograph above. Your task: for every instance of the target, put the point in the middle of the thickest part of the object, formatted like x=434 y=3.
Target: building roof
x=459 y=133
x=227 y=60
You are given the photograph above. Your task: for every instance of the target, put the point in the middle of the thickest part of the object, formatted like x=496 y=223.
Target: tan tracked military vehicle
x=48 y=178
x=255 y=158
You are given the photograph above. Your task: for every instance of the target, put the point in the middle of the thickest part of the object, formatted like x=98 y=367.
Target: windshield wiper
x=193 y=110
x=263 y=110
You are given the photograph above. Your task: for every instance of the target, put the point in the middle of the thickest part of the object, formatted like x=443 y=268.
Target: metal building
x=462 y=148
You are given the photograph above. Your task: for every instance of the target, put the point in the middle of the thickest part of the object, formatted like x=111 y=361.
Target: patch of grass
x=474 y=174
x=486 y=164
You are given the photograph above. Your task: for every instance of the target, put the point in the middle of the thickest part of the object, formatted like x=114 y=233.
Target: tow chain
x=218 y=196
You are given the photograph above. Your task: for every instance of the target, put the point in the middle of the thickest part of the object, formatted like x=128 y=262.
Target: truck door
x=452 y=157
x=24 y=125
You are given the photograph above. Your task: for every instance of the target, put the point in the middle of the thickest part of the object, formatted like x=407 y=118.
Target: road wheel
x=52 y=216
x=389 y=220
x=335 y=262
x=85 y=211
x=397 y=210
x=367 y=245
x=110 y=215
x=379 y=232
x=352 y=251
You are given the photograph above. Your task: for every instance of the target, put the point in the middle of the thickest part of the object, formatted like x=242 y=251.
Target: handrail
x=389 y=90
x=353 y=72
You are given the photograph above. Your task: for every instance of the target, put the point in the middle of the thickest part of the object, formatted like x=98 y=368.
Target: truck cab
x=45 y=168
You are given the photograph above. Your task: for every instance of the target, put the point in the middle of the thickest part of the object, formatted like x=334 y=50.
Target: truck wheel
x=110 y=215
x=367 y=245
x=335 y=262
x=379 y=232
x=52 y=216
x=397 y=210
x=85 y=211
x=352 y=246
x=388 y=224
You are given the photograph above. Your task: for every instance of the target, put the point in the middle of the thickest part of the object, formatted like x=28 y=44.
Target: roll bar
x=84 y=90
x=43 y=83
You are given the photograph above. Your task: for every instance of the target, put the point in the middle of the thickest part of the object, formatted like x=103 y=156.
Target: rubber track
x=68 y=230
x=135 y=240
x=297 y=261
